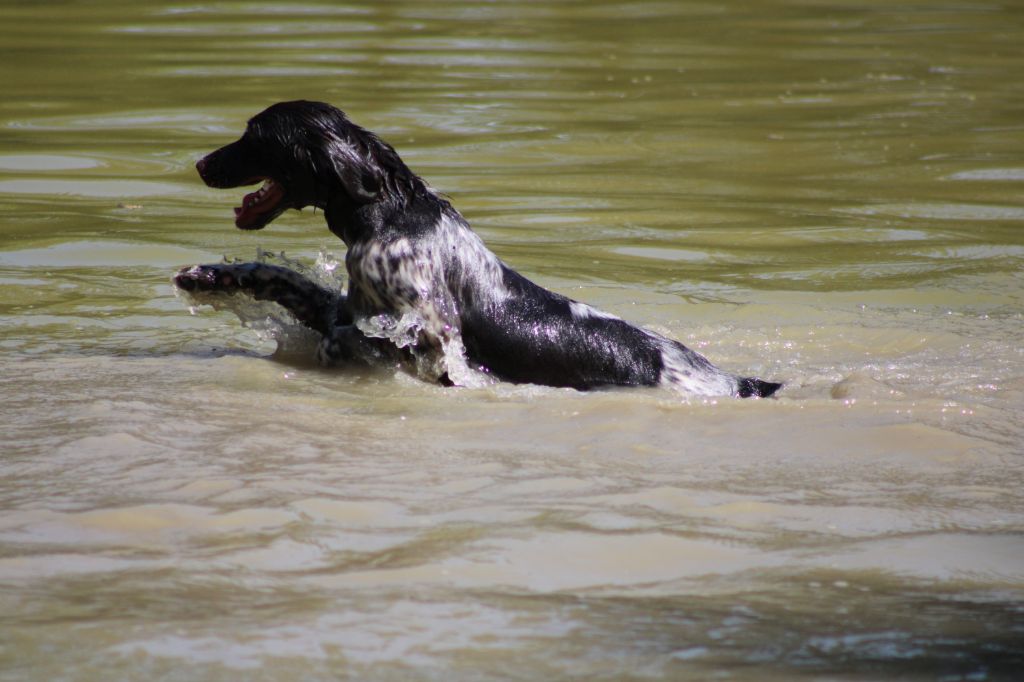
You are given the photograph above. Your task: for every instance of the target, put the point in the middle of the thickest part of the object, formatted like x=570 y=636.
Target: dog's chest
x=391 y=276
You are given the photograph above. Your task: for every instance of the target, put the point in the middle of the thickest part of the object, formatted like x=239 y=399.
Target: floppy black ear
x=362 y=184
x=357 y=173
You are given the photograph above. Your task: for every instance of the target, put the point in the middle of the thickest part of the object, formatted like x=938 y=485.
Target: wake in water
x=302 y=310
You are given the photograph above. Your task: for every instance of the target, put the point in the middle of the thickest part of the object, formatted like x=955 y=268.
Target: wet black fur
x=409 y=249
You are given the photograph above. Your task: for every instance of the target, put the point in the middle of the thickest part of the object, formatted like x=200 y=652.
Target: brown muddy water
x=827 y=193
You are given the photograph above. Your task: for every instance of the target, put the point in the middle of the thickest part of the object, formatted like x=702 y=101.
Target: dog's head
x=306 y=154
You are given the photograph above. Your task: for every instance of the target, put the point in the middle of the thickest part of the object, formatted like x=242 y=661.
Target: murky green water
x=824 y=193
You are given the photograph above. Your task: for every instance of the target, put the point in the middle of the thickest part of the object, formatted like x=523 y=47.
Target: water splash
x=268 y=320
x=405 y=332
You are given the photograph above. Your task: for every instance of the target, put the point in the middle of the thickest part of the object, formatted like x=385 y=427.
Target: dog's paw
x=209 y=278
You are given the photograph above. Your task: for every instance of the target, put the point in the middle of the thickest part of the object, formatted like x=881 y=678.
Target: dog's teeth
x=267 y=184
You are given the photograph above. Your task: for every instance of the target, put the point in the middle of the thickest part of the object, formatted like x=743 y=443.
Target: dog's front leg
x=314 y=306
x=347 y=344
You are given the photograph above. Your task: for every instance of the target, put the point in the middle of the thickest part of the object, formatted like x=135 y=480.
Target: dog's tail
x=755 y=388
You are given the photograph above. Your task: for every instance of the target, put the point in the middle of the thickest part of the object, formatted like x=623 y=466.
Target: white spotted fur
x=680 y=374
x=582 y=311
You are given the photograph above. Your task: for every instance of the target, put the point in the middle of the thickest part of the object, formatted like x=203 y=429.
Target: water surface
x=829 y=194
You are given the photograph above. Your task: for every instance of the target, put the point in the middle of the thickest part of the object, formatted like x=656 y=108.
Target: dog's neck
x=385 y=220
x=355 y=223
x=343 y=220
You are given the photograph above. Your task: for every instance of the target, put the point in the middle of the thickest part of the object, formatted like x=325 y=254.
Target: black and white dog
x=414 y=263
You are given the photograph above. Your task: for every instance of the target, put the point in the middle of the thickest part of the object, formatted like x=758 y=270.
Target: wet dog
x=421 y=282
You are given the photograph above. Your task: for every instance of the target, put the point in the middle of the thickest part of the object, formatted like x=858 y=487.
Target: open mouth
x=260 y=207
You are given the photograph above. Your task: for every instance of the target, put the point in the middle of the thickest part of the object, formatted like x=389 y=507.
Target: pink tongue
x=247 y=214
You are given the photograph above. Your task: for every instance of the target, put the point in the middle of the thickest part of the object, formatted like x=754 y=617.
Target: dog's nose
x=201 y=165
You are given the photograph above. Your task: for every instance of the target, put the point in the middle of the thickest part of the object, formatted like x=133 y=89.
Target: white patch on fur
x=582 y=311
x=681 y=374
x=412 y=288
x=468 y=261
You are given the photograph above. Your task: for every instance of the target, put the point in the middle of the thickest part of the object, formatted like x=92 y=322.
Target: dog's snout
x=210 y=171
